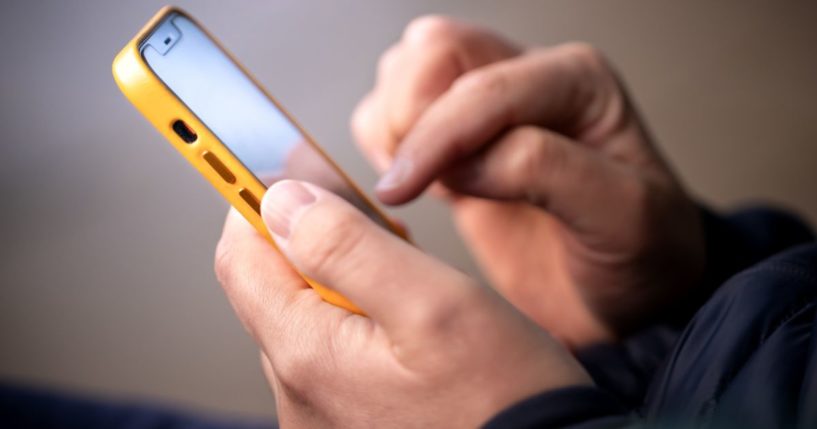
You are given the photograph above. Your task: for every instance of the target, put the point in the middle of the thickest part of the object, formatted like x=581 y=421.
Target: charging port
x=184 y=131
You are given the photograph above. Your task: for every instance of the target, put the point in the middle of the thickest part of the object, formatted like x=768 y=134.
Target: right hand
x=436 y=350
x=552 y=178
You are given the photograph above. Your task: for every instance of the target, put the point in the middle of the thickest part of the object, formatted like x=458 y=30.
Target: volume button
x=220 y=168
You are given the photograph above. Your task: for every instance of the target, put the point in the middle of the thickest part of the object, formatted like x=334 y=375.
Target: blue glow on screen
x=229 y=103
x=223 y=97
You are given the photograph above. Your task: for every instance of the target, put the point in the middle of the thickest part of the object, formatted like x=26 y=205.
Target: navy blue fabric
x=569 y=407
x=626 y=369
x=26 y=407
x=747 y=359
x=733 y=243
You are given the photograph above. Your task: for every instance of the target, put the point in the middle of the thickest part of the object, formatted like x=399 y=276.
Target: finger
x=372 y=133
x=557 y=89
x=256 y=278
x=330 y=241
x=433 y=52
x=571 y=181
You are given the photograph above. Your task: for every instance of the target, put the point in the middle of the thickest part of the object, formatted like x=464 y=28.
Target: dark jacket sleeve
x=734 y=242
x=748 y=359
x=576 y=407
x=624 y=372
x=738 y=240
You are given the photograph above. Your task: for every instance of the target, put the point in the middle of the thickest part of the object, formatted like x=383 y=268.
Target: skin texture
x=437 y=350
x=556 y=188
x=551 y=176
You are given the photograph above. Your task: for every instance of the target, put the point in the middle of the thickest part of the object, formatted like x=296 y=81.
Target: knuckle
x=360 y=121
x=445 y=315
x=537 y=160
x=585 y=54
x=529 y=134
x=431 y=29
x=605 y=102
x=424 y=75
x=387 y=61
x=582 y=51
x=550 y=157
x=536 y=155
x=484 y=82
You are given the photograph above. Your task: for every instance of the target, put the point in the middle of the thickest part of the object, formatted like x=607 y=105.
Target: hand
x=552 y=178
x=437 y=350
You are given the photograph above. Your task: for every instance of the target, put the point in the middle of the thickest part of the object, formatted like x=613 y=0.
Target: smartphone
x=224 y=122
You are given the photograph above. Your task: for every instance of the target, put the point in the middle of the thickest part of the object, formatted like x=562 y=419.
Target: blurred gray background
x=108 y=235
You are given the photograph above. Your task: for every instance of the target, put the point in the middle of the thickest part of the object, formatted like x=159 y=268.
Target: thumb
x=327 y=239
x=576 y=184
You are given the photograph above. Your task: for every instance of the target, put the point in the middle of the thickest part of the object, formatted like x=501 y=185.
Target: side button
x=250 y=199
x=220 y=168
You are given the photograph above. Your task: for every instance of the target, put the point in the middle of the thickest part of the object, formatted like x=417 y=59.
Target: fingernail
x=282 y=202
x=395 y=176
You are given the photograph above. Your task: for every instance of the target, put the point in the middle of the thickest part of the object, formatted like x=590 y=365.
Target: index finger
x=552 y=88
x=432 y=54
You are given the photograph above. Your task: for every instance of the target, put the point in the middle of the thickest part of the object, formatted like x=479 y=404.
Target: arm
x=553 y=179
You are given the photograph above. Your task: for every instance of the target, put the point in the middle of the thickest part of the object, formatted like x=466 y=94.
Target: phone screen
x=232 y=106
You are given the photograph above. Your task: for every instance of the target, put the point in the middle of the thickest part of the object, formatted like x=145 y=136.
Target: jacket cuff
x=741 y=239
x=566 y=407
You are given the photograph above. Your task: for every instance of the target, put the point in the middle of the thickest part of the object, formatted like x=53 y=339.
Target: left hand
x=552 y=177
x=437 y=349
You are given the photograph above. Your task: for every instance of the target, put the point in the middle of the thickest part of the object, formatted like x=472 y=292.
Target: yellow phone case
x=207 y=154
